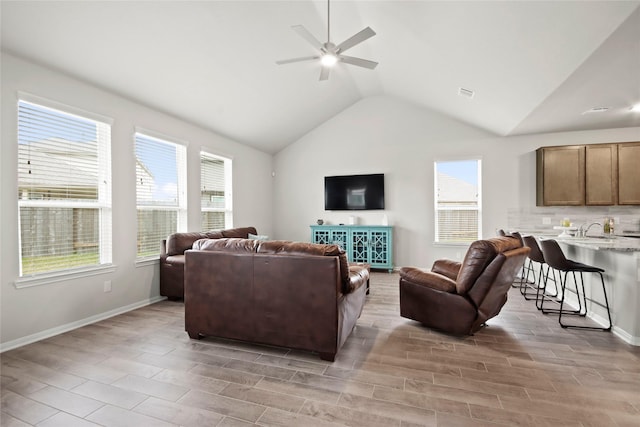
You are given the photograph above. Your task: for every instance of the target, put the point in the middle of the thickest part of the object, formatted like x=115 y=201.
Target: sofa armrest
x=358 y=276
x=447 y=268
x=428 y=279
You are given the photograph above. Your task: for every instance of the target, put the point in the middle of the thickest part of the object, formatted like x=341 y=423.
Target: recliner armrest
x=428 y=279
x=447 y=268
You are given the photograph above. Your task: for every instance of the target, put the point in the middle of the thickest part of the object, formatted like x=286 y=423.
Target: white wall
x=401 y=140
x=29 y=313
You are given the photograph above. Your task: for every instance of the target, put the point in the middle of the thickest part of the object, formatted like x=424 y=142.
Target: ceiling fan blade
x=355 y=39
x=358 y=61
x=324 y=73
x=305 y=34
x=303 y=58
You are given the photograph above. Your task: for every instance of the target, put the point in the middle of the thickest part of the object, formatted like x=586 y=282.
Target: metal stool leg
x=525 y=284
x=545 y=297
x=605 y=305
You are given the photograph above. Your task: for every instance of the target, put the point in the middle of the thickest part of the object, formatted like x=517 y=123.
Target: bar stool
x=555 y=258
x=538 y=284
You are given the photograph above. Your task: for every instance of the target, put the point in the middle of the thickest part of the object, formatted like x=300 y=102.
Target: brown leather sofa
x=172 y=256
x=288 y=294
x=460 y=297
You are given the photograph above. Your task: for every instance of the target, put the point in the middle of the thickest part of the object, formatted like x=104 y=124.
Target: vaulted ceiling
x=533 y=66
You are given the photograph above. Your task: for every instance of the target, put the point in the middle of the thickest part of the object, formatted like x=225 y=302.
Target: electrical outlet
x=458 y=255
x=546 y=220
x=107 y=286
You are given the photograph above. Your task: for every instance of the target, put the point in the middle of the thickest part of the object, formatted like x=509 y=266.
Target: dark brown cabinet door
x=629 y=173
x=560 y=176
x=601 y=174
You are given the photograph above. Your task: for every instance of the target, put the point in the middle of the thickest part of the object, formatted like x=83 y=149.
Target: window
x=215 y=192
x=458 y=201
x=64 y=189
x=160 y=191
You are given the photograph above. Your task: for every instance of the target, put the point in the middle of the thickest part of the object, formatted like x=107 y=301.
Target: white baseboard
x=616 y=330
x=10 y=345
x=625 y=336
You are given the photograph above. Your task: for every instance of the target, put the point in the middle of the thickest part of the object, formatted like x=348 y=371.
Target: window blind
x=64 y=190
x=160 y=191
x=215 y=192
x=457 y=201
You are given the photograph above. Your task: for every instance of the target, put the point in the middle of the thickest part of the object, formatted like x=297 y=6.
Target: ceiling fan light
x=329 y=59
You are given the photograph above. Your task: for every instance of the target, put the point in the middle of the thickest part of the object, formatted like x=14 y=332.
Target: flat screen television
x=354 y=192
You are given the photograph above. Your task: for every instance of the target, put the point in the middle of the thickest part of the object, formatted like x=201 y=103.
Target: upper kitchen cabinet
x=560 y=175
x=601 y=174
x=629 y=173
x=595 y=174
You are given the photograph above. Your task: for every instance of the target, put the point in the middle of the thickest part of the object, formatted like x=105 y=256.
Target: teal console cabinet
x=371 y=244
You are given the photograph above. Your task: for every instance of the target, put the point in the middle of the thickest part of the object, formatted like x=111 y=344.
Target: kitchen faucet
x=582 y=232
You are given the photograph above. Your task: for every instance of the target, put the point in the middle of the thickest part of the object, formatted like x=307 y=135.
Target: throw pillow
x=258 y=237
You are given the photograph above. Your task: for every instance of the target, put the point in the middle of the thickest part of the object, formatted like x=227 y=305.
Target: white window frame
x=228 y=189
x=181 y=171
x=471 y=208
x=103 y=204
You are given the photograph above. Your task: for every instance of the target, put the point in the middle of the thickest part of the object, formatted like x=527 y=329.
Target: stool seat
x=555 y=258
x=570 y=265
x=539 y=283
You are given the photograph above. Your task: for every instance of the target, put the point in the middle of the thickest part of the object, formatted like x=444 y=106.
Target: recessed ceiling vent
x=596 y=110
x=467 y=93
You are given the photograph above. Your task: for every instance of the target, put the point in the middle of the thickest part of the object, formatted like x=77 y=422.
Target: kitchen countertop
x=627 y=241
x=603 y=242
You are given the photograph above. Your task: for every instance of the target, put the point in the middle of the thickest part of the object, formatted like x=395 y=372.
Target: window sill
x=143 y=262
x=452 y=244
x=62 y=276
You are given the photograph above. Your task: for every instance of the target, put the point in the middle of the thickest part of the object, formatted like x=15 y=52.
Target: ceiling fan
x=330 y=53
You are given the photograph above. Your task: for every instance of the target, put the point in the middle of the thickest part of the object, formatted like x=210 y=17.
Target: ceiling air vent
x=596 y=110
x=467 y=93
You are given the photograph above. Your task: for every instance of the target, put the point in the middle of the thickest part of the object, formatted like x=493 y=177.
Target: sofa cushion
x=214 y=234
x=242 y=232
x=300 y=248
x=177 y=243
x=231 y=245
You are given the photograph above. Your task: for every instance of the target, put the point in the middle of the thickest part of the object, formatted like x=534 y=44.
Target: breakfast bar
x=620 y=258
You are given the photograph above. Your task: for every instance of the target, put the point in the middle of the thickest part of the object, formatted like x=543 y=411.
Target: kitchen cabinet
x=592 y=175
x=560 y=176
x=629 y=173
x=601 y=174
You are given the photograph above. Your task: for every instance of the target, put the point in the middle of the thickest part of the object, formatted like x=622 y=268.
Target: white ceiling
x=534 y=66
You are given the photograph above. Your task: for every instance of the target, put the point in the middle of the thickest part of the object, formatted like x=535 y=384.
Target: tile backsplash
x=542 y=219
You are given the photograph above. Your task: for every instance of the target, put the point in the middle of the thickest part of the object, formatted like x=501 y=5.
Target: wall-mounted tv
x=354 y=192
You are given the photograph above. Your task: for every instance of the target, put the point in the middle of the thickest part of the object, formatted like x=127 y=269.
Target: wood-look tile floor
x=141 y=369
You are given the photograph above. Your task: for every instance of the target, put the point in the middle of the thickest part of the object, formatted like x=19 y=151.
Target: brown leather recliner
x=460 y=297
x=172 y=256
